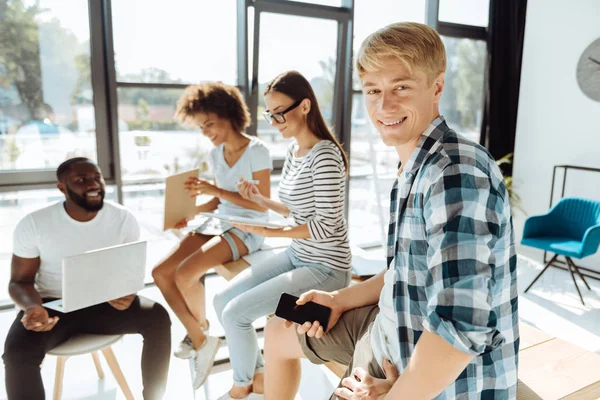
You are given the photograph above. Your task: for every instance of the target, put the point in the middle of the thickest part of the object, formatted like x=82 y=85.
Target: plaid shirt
x=454 y=256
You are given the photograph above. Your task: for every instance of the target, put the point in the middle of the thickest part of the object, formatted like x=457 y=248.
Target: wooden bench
x=549 y=368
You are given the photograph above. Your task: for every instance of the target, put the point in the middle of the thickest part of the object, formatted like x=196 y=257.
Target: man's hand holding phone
x=327 y=299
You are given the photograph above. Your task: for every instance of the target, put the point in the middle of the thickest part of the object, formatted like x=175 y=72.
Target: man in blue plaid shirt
x=441 y=322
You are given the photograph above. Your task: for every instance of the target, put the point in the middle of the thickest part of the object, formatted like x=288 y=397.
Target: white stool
x=84 y=344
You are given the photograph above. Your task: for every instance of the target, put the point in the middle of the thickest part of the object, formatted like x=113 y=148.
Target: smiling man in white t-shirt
x=81 y=223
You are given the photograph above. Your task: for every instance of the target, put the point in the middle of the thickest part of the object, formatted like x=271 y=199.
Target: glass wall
x=373 y=165
x=285 y=45
x=46 y=111
x=51 y=99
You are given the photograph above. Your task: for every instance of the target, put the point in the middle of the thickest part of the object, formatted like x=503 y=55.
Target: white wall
x=557 y=123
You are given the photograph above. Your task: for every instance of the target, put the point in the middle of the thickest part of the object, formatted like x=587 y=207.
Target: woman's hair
x=416 y=45
x=294 y=85
x=225 y=101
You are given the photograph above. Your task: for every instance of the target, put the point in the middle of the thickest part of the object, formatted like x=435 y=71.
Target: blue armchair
x=570 y=229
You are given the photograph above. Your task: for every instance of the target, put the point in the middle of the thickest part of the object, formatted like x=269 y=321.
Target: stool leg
x=58 y=379
x=571 y=268
x=98 y=365
x=116 y=370
x=541 y=273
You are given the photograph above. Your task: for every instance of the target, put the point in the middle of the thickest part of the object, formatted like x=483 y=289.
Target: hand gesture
x=257 y=230
x=199 y=186
x=362 y=386
x=181 y=224
x=315 y=329
x=122 y=303
x=36 y=319
x=249 y=191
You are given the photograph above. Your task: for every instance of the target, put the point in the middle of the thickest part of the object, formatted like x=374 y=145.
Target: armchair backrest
x=572 y=216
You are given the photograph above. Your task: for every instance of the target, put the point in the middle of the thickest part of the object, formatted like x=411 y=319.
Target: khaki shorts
x=348 y=343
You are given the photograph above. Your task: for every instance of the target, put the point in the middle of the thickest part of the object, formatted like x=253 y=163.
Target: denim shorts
x=250 y=240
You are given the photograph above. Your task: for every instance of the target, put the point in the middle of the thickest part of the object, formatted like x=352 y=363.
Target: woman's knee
x=188 y=274
x=163 y=272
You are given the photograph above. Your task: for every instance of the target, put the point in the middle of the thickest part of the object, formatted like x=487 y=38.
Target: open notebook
x=249 y=221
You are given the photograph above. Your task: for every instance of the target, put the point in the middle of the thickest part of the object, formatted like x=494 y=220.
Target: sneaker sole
x=210 y=365
x=182 y=357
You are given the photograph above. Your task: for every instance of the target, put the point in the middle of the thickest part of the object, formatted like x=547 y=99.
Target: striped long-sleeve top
x=313 y=187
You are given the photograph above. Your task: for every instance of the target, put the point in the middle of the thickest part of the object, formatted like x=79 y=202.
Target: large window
x=462 y=100
x=373 y=165
x=179 y=41
x=46 y=111
x=286 y=45
x=101 y=79
x=167 y=50
x=465 y=12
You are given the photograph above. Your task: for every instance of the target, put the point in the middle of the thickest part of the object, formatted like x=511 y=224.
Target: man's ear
x=439 y=87
x=305 y=106
x=61 y=187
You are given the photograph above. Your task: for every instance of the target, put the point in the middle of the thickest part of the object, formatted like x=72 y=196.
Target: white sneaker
x=186 y=348
x=204 y=358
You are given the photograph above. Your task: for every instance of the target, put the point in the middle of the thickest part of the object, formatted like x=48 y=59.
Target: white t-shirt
x=384 y=331
x=51 y=234
x=256 y=157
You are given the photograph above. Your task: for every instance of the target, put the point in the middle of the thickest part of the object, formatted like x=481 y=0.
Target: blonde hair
x=415 y=45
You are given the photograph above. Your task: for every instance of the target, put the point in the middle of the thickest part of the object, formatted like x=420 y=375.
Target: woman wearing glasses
x=220 y=111
x=312 y=192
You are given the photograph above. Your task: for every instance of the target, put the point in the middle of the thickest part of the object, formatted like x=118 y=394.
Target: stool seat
x=84 y=344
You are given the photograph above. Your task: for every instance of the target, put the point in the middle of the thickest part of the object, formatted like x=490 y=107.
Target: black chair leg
x=541 y=273
x=571 y=269
x=576 y=268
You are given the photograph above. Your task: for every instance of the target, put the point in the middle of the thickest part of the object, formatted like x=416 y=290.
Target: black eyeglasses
x=280 y=116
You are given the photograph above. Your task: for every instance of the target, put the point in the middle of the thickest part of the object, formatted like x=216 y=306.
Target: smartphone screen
x=289 y=310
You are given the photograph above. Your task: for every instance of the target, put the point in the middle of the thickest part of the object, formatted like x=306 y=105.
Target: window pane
x=371 y=15
x=182 y=41
x=152 y=144
x=462 y=99
x=46 y=110
x=373 y=168
x=466 y=12
x=333 y=3
x=286 y=44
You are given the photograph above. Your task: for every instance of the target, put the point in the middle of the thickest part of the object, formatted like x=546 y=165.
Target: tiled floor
x=552 y=305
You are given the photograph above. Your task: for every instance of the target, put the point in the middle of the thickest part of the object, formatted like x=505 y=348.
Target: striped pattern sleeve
x=329 y=181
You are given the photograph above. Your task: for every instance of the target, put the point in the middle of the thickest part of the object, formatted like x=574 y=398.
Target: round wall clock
x=588 y=71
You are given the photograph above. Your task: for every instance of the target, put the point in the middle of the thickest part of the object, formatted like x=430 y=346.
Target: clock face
x=588 y=71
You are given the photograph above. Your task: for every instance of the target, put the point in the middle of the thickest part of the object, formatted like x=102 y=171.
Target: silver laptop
x=101 y=275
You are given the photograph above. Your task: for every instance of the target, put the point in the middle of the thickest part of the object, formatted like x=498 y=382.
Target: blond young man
x=441 y=322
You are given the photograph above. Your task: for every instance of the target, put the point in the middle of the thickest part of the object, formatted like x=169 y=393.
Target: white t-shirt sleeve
x=25 y=239
x=131 y=228
x=260 y=158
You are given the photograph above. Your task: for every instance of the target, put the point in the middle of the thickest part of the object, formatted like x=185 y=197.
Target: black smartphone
x=288 y=309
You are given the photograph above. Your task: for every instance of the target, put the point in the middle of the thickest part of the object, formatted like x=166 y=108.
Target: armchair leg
x=576 y=268
x=575 y=282
x=541 y=273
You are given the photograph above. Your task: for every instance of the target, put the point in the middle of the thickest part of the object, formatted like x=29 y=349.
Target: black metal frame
x=572 y=268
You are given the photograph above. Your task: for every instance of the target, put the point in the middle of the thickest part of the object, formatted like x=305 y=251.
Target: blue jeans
x=255 y=293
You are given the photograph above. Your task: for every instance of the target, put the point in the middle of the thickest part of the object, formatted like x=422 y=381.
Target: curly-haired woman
x=220 y=112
